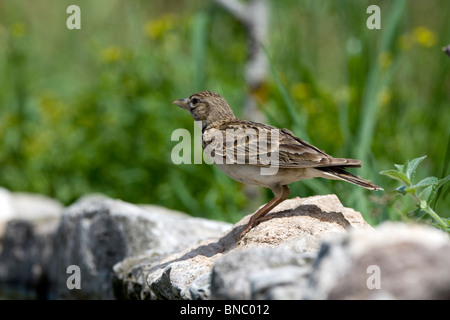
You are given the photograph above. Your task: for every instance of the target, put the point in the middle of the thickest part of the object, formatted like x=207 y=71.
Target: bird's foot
x=246 y=229
x=251 y=224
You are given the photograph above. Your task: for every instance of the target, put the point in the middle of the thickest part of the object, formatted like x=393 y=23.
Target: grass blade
x=298 y=120
x=376 y=79
x=444 y=173
x=198 y=49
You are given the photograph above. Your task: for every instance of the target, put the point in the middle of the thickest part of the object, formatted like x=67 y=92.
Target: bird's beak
x=182 y=103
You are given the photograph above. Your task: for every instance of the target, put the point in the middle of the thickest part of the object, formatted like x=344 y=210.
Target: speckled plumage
x=240 y=148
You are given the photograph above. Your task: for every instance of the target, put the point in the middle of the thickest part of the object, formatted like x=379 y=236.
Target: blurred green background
x=88 y=110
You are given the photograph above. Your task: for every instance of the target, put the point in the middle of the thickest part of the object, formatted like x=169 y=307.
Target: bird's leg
x=266 y=217
x=281 y=193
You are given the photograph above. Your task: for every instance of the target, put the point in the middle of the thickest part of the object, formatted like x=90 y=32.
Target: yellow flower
x=420 y=35
x=155 y=29
x=18 y=30
x=112 y=54
x=424 y=36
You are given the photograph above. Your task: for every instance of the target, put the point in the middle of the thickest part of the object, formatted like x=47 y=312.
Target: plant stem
x=424 y=206
x=435 y=216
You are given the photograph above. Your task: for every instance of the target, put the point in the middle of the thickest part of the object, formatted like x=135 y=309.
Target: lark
x=260 y=154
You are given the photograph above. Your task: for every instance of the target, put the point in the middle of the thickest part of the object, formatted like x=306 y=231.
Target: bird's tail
x=340 y=174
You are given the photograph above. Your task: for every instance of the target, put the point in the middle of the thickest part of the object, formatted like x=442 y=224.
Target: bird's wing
x=247 y=142
x=295 y=152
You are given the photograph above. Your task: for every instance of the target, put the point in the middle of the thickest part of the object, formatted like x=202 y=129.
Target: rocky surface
x=312 y=248
x=25 y=258
x=251 y=272
x=396 y=261
x=393 y=261
x=30 y=207
x=27 y=222
x=96 y=233
x=298 y=226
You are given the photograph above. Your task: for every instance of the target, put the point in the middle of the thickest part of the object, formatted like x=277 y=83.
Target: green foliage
x=89 y=110
x=424 y=192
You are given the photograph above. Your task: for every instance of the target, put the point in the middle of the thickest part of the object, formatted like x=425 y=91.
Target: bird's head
x=206 y=106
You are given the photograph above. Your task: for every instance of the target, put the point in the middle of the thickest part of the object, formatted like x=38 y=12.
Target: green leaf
x=411 y=167
x=419 y=213
x=429 y=181
x=394 y=174
x=410 y=190
x=441 y=182
x=426 y=193
x=401 y=190
x=400 y=167
x=438 y=184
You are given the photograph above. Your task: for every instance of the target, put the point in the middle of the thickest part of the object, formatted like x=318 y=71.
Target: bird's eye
x=195 y=101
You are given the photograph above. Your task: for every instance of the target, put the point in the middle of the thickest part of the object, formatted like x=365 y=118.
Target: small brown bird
x=259 y=154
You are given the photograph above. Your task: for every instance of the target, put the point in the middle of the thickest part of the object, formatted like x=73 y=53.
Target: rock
x=280 y=283
x=312 y=248
x=25 y=258
x=298 y=225
x=395 y=261
x=95 y=233
x=27 y=207
x=235 y=275
x=27 y=223
x=129 y=275
x=302 y=223
x=200 y=288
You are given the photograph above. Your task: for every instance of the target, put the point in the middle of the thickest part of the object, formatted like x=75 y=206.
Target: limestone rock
x=26 y=207
x=280 y=283
x=298 y=225
x=395 y=261
x=95 y=233
x=27 y=224
x=200 y=288
x=25 y=258
x=129 y=275
x=237 y=273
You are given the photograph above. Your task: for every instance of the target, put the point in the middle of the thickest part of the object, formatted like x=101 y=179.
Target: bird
x=259 y=154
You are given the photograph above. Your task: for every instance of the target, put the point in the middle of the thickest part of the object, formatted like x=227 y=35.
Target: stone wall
x=312 y=248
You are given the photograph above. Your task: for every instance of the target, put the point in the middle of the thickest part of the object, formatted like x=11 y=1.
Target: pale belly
x=249 y=174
